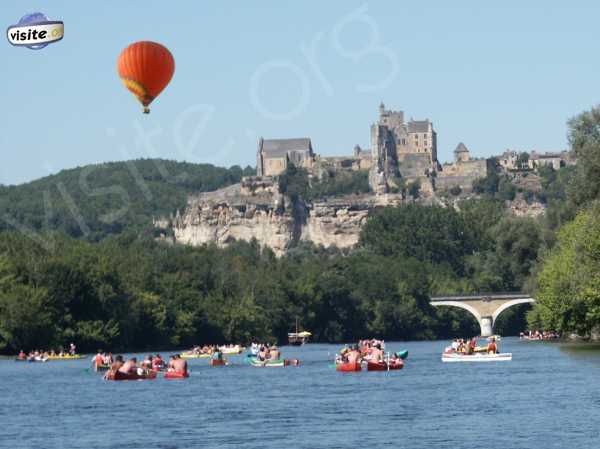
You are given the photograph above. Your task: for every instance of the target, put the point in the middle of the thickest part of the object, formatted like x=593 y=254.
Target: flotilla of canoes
x=368 y=355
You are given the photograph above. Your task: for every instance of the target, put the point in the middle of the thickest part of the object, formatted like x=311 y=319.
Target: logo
x=35 y=31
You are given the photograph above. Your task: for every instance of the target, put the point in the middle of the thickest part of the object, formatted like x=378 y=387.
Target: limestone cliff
x=256 y=209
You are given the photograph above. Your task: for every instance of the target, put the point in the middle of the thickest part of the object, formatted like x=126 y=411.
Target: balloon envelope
x=146 y=68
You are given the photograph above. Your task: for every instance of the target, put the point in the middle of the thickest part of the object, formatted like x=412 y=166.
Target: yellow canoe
x=187 y=355
x=66 y=357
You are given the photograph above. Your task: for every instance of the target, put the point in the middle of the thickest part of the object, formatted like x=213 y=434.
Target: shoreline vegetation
x=110 y=284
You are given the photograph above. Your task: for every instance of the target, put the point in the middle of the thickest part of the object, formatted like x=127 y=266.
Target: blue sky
x=494 y=75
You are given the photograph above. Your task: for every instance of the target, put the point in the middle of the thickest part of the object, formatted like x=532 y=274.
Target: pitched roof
x=418 y=126
x=280 y=147
x=461 y=148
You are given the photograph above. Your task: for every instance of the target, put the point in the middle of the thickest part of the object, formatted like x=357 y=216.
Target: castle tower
x=461 y=153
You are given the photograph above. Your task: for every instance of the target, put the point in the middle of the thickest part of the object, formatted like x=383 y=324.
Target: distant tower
x=461 y=153
x=381 y=108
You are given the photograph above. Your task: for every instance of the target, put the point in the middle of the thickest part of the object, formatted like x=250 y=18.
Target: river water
x=548 y=396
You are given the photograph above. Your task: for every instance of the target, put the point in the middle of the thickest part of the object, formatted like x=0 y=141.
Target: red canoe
x=130 y=376
x=217 y=362
x=347 y=367
x=383 y=366
x=174 y=375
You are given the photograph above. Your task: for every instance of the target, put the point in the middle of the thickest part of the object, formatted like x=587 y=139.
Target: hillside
x=98 y=200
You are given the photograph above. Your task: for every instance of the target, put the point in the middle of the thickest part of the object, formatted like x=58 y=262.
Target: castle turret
x=461 y=153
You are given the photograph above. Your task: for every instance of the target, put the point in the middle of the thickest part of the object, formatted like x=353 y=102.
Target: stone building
x=462 y=172
x=413 y=137
x=274 y=155
x=554 y=160
x=402 y=149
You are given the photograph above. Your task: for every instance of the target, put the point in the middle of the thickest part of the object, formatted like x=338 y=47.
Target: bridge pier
x=486 y=324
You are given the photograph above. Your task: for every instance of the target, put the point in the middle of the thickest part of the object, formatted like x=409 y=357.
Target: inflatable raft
x=218 y=362
x=348 y=367
x=266 y=363
x=174 y=375
x=191 y=355
x=232 y=351
x=384 y=366
x=130 y=376
x=66 y=357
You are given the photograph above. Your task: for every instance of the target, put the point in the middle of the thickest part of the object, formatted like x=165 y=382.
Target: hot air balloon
x=146 y=68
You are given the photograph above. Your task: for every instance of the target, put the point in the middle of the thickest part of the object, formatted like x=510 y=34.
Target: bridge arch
x=506 y=305
x=484 y=307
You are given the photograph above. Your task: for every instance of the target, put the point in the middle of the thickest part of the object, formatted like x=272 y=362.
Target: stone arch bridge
x=485 y=307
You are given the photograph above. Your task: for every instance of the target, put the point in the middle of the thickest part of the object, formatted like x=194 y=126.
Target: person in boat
x=376 y=353
x=147 y=362
x=179 y=365
x=217 y=354
x=158 y=363
x=274 y=353
x=72 y=349
x=170 y=363
x=454 y=345
x=129 y=367
x=21 y=355
x=491 y=347
x=395 y=359
x=472 y=345
x=99 y=359
x=117 y=364
x=354 y=355
x=108 y=358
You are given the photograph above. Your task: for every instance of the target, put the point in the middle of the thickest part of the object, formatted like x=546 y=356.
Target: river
x=548 y=396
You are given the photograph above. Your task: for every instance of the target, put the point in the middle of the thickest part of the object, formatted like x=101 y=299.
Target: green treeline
x=104 y=199
x=130 y=291
x=567 y=286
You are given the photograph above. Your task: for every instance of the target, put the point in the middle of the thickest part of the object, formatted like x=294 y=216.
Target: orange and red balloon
x=146 y=68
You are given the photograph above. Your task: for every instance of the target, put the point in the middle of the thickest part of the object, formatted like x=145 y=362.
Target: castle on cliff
x=400 y=152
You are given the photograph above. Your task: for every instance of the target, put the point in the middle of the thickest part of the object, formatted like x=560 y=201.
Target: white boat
x=477 y=357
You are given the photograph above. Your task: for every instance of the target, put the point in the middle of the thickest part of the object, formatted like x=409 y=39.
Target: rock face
x=337 y=221
x=254 y=209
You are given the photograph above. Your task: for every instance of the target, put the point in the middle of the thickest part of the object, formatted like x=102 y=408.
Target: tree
x=584 y=138
x=568 y=286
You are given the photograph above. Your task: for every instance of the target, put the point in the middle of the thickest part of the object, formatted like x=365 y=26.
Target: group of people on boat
x=150 y=364
x=372 y=350
x=266 y=351
x=212 y=349
x=470 y=347
x=38 y=355
x=537 y=335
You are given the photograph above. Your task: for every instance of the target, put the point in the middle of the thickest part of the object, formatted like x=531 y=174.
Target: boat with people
x=118 y=375
x=348 y=367
x=176 y=375
x=477 y=357
x=232 y=349
x=269 y=356
x=190 y=355
x=385 y=365
x=269 y=363
x=369 y=354
x=298 y=338
x=468 y=351
x=66 y=357
x=538 y=336
x=218 y=362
